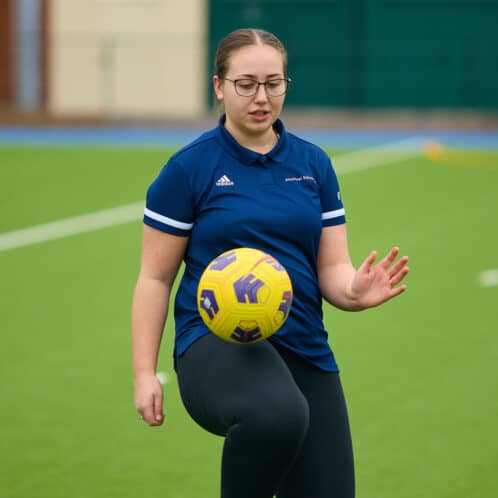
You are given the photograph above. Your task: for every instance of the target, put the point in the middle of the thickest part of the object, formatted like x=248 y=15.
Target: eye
x=246 y=84
x=274 y=84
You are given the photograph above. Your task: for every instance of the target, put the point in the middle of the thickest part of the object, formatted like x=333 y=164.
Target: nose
x=261 y=95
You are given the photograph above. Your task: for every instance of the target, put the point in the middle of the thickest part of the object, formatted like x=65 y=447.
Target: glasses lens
x=246 y=88
x=276 y=88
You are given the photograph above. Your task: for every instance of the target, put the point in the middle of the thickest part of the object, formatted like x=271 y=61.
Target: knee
x=283 y=421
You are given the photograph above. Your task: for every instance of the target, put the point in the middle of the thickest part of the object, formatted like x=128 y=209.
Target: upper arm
x=330 y=195
x=333 y=249
x=170 y=203
x=168 y=221
x=162 y=254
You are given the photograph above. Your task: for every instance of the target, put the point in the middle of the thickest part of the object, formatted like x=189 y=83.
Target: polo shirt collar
x=247 y=156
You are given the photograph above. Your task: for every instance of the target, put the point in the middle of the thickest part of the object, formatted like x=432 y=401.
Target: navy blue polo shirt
x=222 y=196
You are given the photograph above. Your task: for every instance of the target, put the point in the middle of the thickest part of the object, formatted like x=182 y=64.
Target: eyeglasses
x=249 y=88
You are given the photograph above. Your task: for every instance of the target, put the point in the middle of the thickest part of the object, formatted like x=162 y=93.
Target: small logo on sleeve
x=224 y=181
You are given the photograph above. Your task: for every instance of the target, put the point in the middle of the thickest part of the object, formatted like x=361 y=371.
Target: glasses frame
x=259 y=83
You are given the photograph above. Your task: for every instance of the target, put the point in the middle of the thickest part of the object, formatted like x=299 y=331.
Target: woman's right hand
x=149 y=398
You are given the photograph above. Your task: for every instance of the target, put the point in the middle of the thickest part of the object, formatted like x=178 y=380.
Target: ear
x=218 y=87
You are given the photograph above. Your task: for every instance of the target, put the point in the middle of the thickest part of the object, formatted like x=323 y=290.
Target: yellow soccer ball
x=244 y=295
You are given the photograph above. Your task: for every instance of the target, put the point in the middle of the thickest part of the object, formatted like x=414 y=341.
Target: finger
x=148 y=414
x=397 y=267
x=389 y=258
x=396 y=279
x=396 y=291
x=368 y=262
x=158 y=408
x=140 y=410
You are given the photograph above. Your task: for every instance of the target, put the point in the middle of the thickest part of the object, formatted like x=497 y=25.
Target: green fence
x=378 y=53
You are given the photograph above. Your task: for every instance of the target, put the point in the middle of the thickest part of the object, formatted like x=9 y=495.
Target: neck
x=261 y=143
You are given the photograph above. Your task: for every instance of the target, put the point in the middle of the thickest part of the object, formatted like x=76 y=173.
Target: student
x=249 y=183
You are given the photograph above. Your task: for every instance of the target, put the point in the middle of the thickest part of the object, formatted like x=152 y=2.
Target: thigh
x=324 y=467
x=221 y=383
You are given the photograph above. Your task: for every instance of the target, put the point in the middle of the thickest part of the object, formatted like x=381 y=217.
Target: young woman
x=248 y=182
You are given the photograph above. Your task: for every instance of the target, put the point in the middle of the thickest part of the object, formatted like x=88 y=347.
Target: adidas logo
x=224 y=181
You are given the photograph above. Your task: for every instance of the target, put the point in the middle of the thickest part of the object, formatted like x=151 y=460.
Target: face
x=251 y=116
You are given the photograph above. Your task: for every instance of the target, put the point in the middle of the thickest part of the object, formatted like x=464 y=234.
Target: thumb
x=158 y=407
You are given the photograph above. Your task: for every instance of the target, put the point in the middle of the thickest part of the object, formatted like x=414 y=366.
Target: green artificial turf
x=420 y=373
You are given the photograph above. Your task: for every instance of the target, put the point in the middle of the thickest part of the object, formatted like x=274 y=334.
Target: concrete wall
x=127 y=58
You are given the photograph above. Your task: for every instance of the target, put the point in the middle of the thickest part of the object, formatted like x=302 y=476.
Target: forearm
x=336 y=286
x=149 y=312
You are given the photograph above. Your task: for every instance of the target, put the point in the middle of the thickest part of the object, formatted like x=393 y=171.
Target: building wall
x=7 y=65
x=124 y=58
x=29 y=50
x=378 y=53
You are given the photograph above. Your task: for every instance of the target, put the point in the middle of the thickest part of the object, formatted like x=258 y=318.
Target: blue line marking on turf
x=177 y=137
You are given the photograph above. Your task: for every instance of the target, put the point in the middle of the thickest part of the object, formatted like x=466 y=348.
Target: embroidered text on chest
x=303 y=178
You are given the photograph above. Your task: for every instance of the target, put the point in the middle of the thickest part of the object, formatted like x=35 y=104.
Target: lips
x=259 y=113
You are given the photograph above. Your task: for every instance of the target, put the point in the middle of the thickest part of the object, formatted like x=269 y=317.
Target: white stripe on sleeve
x=333 y=214
x=167 y=221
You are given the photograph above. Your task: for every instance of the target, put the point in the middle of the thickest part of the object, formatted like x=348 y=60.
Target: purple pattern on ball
x=221 y=262
x=246 y=287
x=276 y=265
x=286 y=302
x=246 y=335
x=208 y=303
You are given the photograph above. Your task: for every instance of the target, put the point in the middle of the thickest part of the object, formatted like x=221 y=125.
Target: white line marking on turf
x=381 y=155
x=71 y=226
x=371 y=157
x=488 y=278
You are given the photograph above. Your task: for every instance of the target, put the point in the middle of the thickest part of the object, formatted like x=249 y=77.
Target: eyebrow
x=252 y=76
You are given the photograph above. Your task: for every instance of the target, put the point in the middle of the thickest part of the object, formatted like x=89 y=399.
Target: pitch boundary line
x=351 y=162
x=377 y=156
x=71 y=226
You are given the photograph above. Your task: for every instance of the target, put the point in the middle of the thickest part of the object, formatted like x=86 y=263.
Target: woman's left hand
x=374 y=285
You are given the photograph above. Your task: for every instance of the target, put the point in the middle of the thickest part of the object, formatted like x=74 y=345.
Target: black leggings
x=284 y=420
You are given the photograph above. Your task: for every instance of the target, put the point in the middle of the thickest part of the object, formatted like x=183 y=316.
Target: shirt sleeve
x=170 y=205
x=333 y=212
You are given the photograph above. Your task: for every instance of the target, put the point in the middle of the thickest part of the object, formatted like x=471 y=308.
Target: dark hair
x=243 y=38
